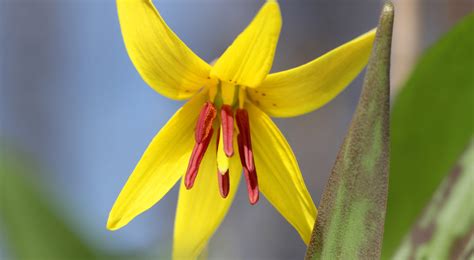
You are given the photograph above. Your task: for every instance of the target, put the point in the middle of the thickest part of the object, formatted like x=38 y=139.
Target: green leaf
x=31 y=227
x=352 y=210
x=446 y=228
x=431 y=124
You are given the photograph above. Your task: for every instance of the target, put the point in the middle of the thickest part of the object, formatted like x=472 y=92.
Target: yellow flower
x=227 y=116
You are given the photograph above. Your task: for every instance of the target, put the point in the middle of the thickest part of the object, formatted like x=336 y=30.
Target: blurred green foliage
x=431 y=125
x=31 y=226
x=352 y=210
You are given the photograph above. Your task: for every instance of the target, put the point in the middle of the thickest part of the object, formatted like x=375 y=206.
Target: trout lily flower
x=225 y=127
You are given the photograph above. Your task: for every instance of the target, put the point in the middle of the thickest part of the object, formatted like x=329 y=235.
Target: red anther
x=250 y=176
x=227 y=119
x=242 y=118
x=196 y=157
x=252 y=186
x=224 y=183
x=205 y=120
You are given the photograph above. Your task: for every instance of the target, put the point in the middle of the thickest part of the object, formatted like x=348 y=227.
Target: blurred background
x=74 y=107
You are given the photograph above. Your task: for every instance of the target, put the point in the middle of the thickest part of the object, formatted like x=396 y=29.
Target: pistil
x=226 y=105
x=222 y=159
x=222 y=174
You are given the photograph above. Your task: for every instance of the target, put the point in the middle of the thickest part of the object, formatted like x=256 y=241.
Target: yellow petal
x=161 y=58
x=279 y=177
x=308 y=87
x=201 y=209
x=249 y=59
x=163 y=163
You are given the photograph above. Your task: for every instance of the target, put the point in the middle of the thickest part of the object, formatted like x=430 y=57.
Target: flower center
x=226 y=105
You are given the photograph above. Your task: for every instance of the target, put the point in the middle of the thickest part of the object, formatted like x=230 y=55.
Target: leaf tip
x=388 y=8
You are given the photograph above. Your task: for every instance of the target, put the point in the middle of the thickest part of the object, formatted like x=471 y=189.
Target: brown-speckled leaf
x=445 y=230
x=352 y=210
x=431 y=125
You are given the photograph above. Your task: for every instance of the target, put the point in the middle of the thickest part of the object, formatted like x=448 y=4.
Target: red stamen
x=205 y=120
x=203 y=135
x=195 y=160
x=227 y=119
x=224 y=183
x=242 y=118
x=252 y=186
x=250 y=176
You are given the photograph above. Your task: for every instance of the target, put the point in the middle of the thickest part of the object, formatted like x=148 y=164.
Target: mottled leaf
x=431 y=125
x=352 y=209
x=446 y=228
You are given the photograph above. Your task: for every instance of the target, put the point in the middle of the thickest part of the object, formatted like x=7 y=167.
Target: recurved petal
x=249 y=59
x=201 y=209
x=163 y=163
x=279 y=176
x=308 y=87
x=161 y=58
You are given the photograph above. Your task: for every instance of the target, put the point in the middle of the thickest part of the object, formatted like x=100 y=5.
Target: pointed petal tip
x=248 y=60
x=308 y=87
x=271 y=2
x=114 y=224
